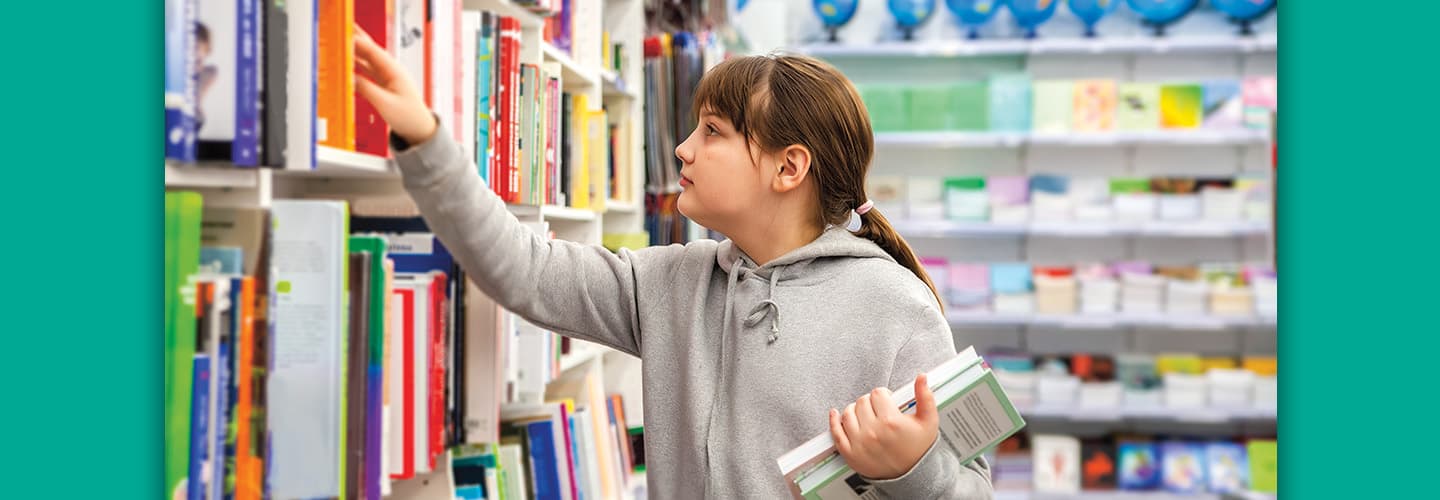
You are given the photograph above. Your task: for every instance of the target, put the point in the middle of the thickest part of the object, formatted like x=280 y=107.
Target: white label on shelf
x=413 y=243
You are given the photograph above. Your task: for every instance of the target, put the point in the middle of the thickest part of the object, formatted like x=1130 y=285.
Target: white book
x=484 y=367
x=420 y=367
x=512 y=460
x=410 y=34
x=308 y=291
x=1057 y=463
x=395 y=372
x=300 y=86
x=443 y=65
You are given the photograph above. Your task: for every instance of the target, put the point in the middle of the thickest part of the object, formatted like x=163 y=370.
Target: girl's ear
x=793 y=166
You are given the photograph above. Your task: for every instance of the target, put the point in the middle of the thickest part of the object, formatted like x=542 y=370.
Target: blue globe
x=1161 y=12
x=910 y=14
x=835 y=13
x=1030 y=14
x=1091 y=12
x=974 y=13
x=1244 y=11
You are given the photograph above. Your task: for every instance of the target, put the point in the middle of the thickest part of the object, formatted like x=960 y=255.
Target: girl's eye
x=710 y=130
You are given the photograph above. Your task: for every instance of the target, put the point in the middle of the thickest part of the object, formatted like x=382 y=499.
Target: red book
x=501 y=127
x=436 y=412
x=371 y=133
x=429 y=83
x=406 y=305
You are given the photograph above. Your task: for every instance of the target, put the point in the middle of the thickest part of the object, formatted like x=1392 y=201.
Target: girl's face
x=721 y=177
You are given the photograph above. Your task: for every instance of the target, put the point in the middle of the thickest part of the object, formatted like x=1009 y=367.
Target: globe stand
x=1090 y=31
x=833 y=33
x=907 y=33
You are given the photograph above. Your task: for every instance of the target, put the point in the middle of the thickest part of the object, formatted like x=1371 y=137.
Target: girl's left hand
x=879 y=441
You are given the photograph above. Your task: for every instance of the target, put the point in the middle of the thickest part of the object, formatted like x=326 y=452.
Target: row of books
x=1131 y=287
x=1055 y=463
x=1015 y=199
x=250 y=84
x=1137 y=382
x=674 y=64
x=1014 y=102
x=317 y=351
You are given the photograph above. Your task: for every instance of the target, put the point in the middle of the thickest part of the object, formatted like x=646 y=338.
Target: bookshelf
x=1128 y=495
x=1104 y=46
x=1181 y=229
x=340 y=174
x=1085 y=139
x=1110 y=321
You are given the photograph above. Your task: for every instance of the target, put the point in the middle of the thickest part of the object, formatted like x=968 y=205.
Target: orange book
x=1094 y=108
x=335 y=76
x=249 y=466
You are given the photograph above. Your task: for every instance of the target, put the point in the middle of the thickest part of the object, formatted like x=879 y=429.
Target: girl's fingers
x=367 y=70
x=382 y=66
x=850 y=422
x=864 y=413
x=374 y=94
x=837 y=433
x=884 y=406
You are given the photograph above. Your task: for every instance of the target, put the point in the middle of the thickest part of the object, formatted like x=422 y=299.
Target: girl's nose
x=683 y=152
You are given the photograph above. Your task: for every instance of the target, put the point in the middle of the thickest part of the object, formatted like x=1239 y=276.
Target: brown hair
x=778 y=100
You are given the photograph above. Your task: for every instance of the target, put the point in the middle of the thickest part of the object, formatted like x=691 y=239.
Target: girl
x=749 y=342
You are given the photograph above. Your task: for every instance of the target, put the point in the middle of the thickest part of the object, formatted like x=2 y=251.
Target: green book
x=930 y=108
x=1053 y=102
x=887 y=105
x=1264 y=465
x=1138 y=107
x=1181 y=106
x=970 y=106
x=182 y=261
x=966 y=199
x=1120 y=185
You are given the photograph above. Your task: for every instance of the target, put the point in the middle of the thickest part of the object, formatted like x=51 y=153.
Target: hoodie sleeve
x=939 y=473
x=581 y=291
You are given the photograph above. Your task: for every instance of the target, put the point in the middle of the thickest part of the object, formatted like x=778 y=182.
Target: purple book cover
x=562 y=35
x=1008 y=190
x=373 y=455
x=1132 y=267
x=247 y=88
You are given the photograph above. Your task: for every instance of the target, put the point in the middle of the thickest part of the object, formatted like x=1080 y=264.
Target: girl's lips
x=685 y=181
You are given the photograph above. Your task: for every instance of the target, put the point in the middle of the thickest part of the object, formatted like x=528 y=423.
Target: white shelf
x=195 y=176
x=615 y=87
x=507 y=8
x=1173 y=137
x=580 y=354
x=621 y=207
x=1177 y=229
x=1126 y=495
x=1067 y=46
x=338 y=163
x=572 y=75
x=1189 y=415
x=555 y=212
x=1106 y=321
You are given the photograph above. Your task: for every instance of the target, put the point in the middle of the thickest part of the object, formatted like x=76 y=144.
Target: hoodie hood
x=807 y=264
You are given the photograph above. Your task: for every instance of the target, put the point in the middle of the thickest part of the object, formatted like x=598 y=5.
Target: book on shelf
x=1057 y=463
x=975 y=415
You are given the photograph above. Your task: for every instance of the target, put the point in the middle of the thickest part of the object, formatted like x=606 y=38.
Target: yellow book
x=598 y=153
x=579 y=157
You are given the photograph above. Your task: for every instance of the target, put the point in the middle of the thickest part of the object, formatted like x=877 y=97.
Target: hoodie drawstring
x=760 y=310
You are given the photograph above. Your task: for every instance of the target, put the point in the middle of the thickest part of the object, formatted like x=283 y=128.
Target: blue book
x=199 y=427
x=1139 y=466
x=1183 y=466
x=246 y=151
x=484 y=86
x=1010 y=102
x=222 y=260
x=544 y=464
x=180 y=89
x=1010 y=278
x=1227 y=467
x=220 y=432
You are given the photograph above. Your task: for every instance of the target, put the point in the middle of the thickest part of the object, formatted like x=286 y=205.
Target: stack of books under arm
x=975 y=415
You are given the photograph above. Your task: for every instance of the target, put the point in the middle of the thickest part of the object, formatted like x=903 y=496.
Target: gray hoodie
x=740 y=363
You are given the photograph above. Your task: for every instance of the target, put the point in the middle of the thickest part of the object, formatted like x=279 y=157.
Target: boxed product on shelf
x=1139 y=380
x=1183 y=466
x=1227 y=469
x=1139 y=465
x=1094 y=106
x=925 y=197
x=888 y=105
x=1009 y=102
x=1260 y=100
x=1098 y=465
x=1263 y=455
x=931 y=107
x=1229 y=300
x=969 y=286
x=1009 y=198
x=1057 y=463
x=1265 y=393
x=1051 y=104
x=1050 y=198
x=1230 y=387
x=888 y=193
x=966 y=199
x=1012 y=466
x=1185 y=297
x=1055 y=290
x=1138 y=106
x=1133 y=200
x=1099 y=292
x=1016 y=374
x=939 y=270
x=1178 y=199
x=1010 y=285
x=1141 y=291
x=1098 y=386
x=1224 y=108
x=1221 y=203
x=1090 y=198
x=1257 y=197
x=1265 y=288
x=1180 y=105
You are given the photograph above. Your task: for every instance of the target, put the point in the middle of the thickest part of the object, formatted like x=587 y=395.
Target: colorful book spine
x=182 y=256
x=335 y=118
x=246 y=151
x=484 y=84
x=199 y=430
x=180 y=88
x=372 y=135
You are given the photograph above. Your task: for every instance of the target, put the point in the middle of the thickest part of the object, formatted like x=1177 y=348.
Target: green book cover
x=930 y=108
x=377 y=246
x=887 y=105
x=1053 y=101
x=1121 y=185
x=1138 y=107
x=1264 y=465
x=1181 y=106
x=970 y=106
x=182 y=261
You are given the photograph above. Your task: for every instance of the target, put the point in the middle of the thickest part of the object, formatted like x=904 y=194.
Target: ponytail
x=875 y=227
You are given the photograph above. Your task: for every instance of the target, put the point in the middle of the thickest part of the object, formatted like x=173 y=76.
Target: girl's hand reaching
x=879 y=441
x=382 y=82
